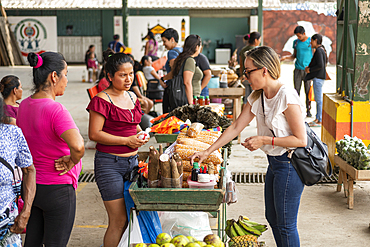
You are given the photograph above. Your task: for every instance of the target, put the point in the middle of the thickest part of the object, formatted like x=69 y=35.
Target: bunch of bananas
x=248 y=230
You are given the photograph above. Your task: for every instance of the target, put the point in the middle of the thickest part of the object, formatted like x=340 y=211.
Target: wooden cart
x=183 y=199
x=347 y=175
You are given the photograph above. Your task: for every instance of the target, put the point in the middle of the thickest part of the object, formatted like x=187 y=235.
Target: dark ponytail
x=7 y=84
x=252 y=37
x=42 y=67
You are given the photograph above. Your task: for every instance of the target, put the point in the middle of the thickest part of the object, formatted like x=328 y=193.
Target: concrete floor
x=323 y=220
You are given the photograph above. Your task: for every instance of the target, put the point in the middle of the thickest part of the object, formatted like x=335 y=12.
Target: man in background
x=302 y=55
x=116 y=45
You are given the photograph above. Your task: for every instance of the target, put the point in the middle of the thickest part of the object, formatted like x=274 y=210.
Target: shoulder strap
x=263 y=110
x=131 y=98
x=8 y=166
x=108 y=97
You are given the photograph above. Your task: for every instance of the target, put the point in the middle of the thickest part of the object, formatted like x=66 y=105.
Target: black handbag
x=176 y=90
x=311 y=162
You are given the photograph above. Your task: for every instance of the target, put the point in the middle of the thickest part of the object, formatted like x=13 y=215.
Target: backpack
x=176 y=90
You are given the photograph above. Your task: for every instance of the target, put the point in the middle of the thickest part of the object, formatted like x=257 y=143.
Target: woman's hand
x=135 y=142
x=254 y=142
x=307 y=70
x=64 y=164
x=20 y=222
x=200 y=156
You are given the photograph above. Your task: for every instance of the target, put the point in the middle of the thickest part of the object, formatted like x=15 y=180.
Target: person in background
x=280 y=129
x=316 y=71
x=11 y=89
x=115 y=115
x=148 y=70
x=252 y=40
x=151 y=46
x=88 y=52
x=15 y=151
x=170 y=38
x=146 y=103
x=192 y=74
x=302 y=55
x=116 y=45
x=202 y=62
x=92 y=67
x=56 y=146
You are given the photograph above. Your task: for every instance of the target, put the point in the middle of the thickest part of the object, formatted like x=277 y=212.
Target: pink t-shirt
x=42 y=122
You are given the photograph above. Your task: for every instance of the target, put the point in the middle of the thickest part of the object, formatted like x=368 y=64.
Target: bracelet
x=273 y=142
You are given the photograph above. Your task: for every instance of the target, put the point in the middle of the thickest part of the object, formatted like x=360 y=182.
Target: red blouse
x=118 y=122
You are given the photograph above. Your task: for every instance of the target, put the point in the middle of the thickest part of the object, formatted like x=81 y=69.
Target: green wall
x=216 y=29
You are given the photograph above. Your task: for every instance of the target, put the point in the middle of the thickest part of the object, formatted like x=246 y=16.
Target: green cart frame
x=183 y=199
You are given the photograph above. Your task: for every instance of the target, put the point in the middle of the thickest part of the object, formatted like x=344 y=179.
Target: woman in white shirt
x=280 y=128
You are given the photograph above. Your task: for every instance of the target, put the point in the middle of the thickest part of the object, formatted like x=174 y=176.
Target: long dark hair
x=4 y=119
x=106 y=54
x=51 y=61
x=318 y=38
x=190 y=47
x=7 y=84
x=150 y=35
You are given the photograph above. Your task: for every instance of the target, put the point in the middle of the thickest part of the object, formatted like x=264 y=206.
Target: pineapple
x=244 y=244
x=251 y=238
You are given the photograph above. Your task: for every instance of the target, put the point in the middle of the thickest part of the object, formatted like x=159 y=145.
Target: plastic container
x=214 y=82
x=195 y=100
x=223 y=81
x=201 y=100
x=197 y=185
x=195 y=172
x=207 y=101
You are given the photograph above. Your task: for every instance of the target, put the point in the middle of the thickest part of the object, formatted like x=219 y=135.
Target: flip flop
x=313 y=124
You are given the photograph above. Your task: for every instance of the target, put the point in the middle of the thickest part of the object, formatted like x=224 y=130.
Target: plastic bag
x=149 y=223
x=135 y=236
x=194 y=224
x=230 y=195
x=195 y=129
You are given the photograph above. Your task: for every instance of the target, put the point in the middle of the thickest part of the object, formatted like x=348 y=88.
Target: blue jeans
x=205 y=92
x=317 y=89
x=283 y=190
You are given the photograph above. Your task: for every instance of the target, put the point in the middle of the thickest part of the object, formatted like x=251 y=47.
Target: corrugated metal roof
x=137 y=4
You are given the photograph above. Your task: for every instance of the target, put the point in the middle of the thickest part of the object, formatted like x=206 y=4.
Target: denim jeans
x=205 y=92
x=317 y=89
x=283 y=190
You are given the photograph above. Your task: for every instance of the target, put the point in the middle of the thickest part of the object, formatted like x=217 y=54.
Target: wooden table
x=235 y=93
x=347 y=175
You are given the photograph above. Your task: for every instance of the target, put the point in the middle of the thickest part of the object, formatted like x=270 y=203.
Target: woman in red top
x=115 y=115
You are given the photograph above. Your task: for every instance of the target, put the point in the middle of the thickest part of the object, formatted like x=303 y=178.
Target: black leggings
x=52 y=216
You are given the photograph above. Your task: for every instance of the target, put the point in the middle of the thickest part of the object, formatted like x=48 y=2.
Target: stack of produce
x=165 y=240
x=196 y=140
x=231 y=76
x=244 y=232
x=354 y=152
x=204 y=115
x=165 y=169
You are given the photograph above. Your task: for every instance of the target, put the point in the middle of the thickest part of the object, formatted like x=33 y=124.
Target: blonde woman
x=280 y=127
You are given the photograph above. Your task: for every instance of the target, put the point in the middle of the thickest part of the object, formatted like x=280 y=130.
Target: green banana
x=228 y=229
x=249 y=228
x=258 y=226
x=232 y=231
x=238 y=229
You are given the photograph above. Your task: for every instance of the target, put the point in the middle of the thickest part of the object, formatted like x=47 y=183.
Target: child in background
x=92 y=67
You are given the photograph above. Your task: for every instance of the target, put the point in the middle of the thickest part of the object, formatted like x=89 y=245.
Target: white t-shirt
x=147 y=72
x=274 y=117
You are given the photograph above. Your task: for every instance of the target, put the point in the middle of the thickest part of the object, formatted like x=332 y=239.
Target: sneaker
x=309 y=114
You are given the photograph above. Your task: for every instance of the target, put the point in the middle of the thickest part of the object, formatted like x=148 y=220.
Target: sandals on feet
x=314 y=124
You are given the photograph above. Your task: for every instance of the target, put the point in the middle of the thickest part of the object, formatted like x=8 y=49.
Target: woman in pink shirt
x=11 y=89
x=115 y=115
x=56 y=147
